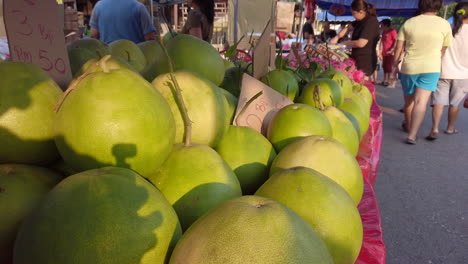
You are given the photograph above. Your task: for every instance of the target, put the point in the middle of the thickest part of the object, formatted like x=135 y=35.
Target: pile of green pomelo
x=137 y=162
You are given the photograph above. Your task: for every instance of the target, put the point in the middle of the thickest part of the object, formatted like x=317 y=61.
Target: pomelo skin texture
x=154 y=54
x=82 y=50
x=115 y=118
x=195 y=180
x=230 y=106
x=27 y=100
x=22 y=188
x=102 y=216
x=328 y=92
x=232 y=81
x=251 y=229
x=343 y=129
x=327 y=156
x=296 y=121
x=357 y=107
x=364 y=93
x=130 y=52
x=282 y=81
x=205 y=106
x=249 y=154
x=324 y=204
x=113 y=63
x=343 y=80
x=194 y=54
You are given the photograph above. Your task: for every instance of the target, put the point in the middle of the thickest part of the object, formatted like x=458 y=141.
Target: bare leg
x=386 y=77
x=437 y=112
x=452 y=118
x=421 y=97
x=408 y=109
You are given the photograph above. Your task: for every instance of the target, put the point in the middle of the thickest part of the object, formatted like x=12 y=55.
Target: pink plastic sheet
x=373 y=247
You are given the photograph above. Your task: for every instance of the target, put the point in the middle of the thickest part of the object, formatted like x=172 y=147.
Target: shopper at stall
x=387 y=51
x=453 y=84
x=200 y=19
x=124 y=19
x=308 y=31
x=423 y=39
x=364 y=37
x=327 y=33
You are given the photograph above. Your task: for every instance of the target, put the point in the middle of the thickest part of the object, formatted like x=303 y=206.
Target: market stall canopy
x=323 y=16
x=395 y=8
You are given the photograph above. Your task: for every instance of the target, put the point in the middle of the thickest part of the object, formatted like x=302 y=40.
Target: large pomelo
x=249 y=154
x=111 y=63
x=364 y=93
x=204 y=102
x=232 y=81
x=82 y=50
x=115 y=118
x=325 y=205
x=251 y=229
x=283 y=82
x=354 y=121
x=27 y=100
x=343 y=129
x=296 y=121
x=230 y=105
x=343 y=80
x=130 y=52
x=102 y=216
x=22 y=188
x=154 y=54
x=194 y=54
x=327 y=156
x=357 y=107
x=320 y=92
x=195 y=180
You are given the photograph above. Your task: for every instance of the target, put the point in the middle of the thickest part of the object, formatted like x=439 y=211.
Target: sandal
x=410 y=141
x=432 y=136
x=453 y=132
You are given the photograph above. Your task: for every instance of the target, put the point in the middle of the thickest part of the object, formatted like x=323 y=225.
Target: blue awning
x=322 y=16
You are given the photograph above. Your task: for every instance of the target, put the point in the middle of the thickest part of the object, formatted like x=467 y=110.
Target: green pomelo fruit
x=130 y=52
x=233 y=80
x=364 y=93
x=297 y=121
x=204 y=102
x=22 y=188
x=27 y=100
x=343 y=80
x=228 y=64
x=206 y=61
x=168 y=36
x=343 y=129
x=249 y=154
x=251 y=229
x=320 y=92
x=82 y=50
x=283 y=82
x=195 y=180
x=354 y=121
x=322 y=203
x=357 y=107
x=326 y=156
x=115 y=118
x=101 y=216
x=230 y=105
x=154 y=54
x=113 y=63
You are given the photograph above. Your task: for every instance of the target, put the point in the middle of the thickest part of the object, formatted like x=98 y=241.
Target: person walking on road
x=424 y=47
x=387 y=50
x=453 y=84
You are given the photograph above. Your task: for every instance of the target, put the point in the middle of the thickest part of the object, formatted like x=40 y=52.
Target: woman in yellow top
x=423 y=40
x=200 y=19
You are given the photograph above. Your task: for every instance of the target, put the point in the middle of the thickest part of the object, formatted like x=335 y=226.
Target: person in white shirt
x=453 y=84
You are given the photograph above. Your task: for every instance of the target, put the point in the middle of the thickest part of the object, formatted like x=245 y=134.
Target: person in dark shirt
x=308 y=31
x=327 y=33
x=200 y=19
x=364 y=38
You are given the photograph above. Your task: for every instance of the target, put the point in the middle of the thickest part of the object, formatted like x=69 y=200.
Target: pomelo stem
x=317 y=98
x=103 y=63
x=179 y=98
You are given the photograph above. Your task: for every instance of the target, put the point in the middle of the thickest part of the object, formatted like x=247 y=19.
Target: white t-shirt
x=455 y=61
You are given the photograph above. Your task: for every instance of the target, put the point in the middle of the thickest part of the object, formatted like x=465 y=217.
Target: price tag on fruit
x=35 y=34
x=257 y=104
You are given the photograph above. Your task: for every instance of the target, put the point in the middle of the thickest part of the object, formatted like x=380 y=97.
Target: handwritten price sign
x=257 y=105
x=35 y=35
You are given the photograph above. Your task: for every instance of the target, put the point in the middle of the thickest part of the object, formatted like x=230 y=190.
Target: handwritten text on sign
x=35 y=34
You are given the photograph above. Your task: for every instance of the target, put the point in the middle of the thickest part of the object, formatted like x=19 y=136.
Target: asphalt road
x=422 y=189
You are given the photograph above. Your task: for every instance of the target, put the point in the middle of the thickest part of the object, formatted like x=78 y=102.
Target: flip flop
x=455 y=131
x=410 y=141
x=432 y=136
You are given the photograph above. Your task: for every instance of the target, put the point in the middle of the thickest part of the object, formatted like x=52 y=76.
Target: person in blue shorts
x=124 y=19
x=423 y=47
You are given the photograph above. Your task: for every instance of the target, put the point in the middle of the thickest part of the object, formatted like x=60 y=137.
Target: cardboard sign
x=261 y=53
x=284 y=16
x=263 y=105
x=35 y=35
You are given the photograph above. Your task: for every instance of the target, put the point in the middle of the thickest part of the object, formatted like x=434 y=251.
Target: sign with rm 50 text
x=35 y=35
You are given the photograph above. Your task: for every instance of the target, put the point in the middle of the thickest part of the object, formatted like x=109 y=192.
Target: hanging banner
x=35 y=35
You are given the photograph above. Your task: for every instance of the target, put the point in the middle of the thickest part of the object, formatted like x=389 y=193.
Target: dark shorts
x=387 y=64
